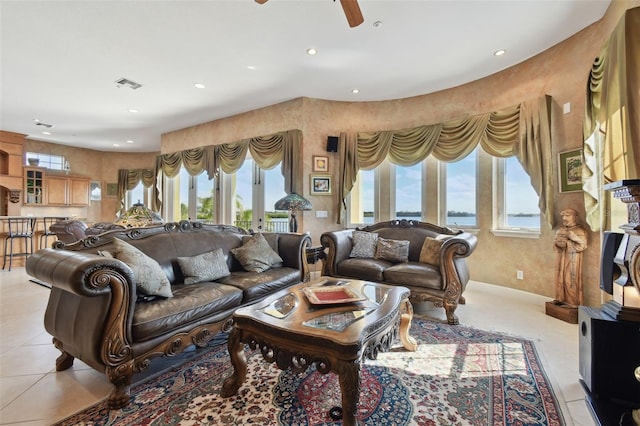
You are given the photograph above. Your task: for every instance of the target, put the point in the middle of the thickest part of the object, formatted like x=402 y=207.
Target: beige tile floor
x=32 y=393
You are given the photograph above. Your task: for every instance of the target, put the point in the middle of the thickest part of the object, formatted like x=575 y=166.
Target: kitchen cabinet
x=33 y=186
x=67 y=190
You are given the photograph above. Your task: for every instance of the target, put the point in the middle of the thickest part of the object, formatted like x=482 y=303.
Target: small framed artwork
x=320 y=184
x=95 y=190
x=112 y=190
x=320 y=163
x=570 y=170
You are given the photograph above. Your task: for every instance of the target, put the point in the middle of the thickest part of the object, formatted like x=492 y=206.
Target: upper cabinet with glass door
x=33 y=185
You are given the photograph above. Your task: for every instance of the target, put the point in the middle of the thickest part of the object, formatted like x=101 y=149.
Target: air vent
x=126 y=82
x=48 y=126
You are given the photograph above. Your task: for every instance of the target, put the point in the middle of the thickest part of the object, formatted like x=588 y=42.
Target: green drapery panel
x=129 y=179
x=522 y=130
x=612 y=115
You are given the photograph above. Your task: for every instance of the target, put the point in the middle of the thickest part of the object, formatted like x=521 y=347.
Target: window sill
x=516 y=233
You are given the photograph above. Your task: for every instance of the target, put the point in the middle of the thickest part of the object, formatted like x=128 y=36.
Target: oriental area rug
x=459 y=376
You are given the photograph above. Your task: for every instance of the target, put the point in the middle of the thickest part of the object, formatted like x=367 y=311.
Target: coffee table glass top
x=331 y=304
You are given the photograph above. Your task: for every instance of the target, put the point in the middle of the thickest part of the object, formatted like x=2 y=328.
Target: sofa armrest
x=338 y=244
x=90 y=308
x=453 y=267
x=292 y=249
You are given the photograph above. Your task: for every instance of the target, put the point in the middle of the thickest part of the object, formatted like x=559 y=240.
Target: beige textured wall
x=561 y=72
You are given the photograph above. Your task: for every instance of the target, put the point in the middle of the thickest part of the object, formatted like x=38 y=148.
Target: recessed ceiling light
x=499 y=52
x=251 y=67
x=129 y=141
x=133 y=110
x=355 y=91
x=200 y=85
x=311 y=51
x=46 y=133
x=116 y=144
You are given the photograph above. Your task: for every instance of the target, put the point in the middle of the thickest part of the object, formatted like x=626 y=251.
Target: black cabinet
x=609 y=355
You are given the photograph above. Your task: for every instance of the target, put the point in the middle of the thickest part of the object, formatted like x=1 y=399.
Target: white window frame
x=500 y=227
x=442 y=194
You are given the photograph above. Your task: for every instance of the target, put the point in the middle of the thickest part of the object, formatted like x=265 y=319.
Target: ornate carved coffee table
x=322 y=325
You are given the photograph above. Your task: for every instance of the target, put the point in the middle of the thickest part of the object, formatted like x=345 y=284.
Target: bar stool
x=19 y=228
x=47 y=232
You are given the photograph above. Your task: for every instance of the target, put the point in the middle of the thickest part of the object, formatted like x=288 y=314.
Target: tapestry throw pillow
x=430 y=252
x=204 y=267
x=392 y=250
x=364 y=244
x=148 y=275
x=256 y=255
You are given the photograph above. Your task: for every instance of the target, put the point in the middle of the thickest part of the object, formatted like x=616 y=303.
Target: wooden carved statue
x=569 y=243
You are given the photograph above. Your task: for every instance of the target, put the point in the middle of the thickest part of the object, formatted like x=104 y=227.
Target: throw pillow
x=364 y=244
x=148 y=275
x=430 y=252
x=392 y=250
x=256 y=255
x=204 y=267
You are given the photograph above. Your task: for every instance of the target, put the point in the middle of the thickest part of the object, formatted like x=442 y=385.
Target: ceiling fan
x=351 y=10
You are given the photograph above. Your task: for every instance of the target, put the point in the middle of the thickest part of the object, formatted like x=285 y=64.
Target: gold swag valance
x=522 y=130
x=266 y=151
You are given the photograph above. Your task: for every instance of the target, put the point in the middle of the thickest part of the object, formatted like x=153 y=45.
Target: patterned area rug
x=458 y=376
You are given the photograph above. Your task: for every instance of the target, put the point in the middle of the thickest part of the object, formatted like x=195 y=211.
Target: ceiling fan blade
x=261 y=1
x=352 y=11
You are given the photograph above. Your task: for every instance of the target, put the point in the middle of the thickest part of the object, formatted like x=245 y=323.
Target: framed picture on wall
x=320 y=184
x=112 y=190
x=320 y=163
x=570 y=170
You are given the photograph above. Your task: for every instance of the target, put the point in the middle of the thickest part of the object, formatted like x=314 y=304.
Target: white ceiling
x=60 y=59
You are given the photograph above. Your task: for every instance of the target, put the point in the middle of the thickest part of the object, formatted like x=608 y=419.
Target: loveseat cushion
x=364 y=269
x=188 y=304
x=392 y=250
x=256 y=285
x=364 y=244
x=414 y=274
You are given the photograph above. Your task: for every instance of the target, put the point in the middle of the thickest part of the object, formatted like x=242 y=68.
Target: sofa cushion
x=255 y=286
x=414 y=274
x=205 y=267
x=149 y=278
x=430 y=252
x=256 y=255
x=364 y=244
x=189 y=304
x=392 y=250
x=363 y=269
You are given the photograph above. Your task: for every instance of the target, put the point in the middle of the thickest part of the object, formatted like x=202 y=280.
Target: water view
x=516 y=221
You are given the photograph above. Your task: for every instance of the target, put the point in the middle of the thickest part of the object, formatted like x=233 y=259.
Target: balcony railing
x=269 y=226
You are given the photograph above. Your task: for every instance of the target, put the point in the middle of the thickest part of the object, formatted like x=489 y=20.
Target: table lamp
x=293 y=202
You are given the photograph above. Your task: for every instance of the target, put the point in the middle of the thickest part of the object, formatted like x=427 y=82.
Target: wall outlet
x=322 y=213
x=520 y=275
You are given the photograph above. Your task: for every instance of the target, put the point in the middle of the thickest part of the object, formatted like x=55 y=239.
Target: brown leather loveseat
x=98 y=314
x=427 y=259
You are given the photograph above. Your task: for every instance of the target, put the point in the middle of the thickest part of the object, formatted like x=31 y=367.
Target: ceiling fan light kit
x=351 y=10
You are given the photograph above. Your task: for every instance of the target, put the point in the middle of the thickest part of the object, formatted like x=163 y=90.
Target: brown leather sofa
x=96 y=314
x=70 y=231
x=442 y=281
